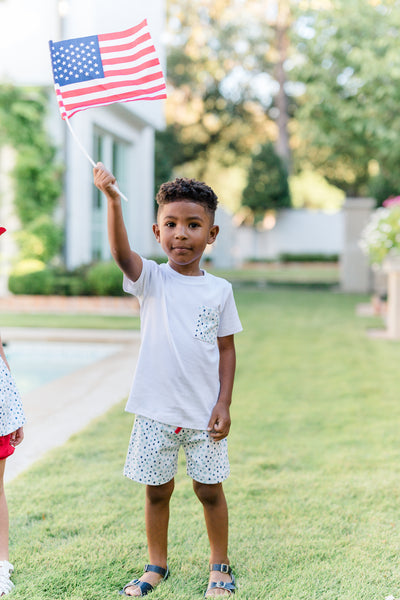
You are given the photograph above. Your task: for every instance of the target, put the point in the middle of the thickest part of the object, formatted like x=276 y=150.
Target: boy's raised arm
x=128 y=261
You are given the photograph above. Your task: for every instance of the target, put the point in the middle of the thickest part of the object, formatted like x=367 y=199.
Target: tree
x=222 y=76
x=349 y=114
x=37 y=176
x=267 y=185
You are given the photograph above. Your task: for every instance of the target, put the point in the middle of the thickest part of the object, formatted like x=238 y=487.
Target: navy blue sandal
x=229 y=586
x=144 y=586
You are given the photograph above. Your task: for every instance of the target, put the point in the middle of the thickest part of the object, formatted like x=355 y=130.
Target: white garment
x=177 y=375
x=11 y=412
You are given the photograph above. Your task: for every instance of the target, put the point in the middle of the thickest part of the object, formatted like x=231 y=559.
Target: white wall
x=295 y=232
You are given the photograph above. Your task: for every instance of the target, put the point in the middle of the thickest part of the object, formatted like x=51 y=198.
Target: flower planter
x=391 y=266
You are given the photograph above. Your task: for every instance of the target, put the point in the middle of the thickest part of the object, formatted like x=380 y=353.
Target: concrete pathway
x=63 y=407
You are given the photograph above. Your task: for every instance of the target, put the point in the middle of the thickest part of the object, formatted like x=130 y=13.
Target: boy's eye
x=170 y=224
x=193 y=225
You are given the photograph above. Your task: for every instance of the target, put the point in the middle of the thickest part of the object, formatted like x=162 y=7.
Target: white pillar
x=355 y=272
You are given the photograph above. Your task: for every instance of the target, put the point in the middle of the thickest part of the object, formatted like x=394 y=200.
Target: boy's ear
x=156 y=231
x=212 y=236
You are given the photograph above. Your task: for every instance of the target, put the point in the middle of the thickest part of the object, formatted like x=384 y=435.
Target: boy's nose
x=180 y=232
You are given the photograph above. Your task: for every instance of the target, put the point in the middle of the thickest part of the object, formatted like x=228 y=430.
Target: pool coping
x=65 y=406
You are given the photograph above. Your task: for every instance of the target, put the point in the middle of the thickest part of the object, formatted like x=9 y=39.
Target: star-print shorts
x=153 y=453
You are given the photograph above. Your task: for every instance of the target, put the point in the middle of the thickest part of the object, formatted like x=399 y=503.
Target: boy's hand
x=220 y=422
x=105 y=181
x=17 y=436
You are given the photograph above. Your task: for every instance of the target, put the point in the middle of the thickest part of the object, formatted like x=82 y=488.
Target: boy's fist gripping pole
x=106 y=182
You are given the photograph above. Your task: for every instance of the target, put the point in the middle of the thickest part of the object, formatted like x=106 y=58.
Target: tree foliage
x=37 y=177
x=267 y=186
x=351 y=70
x=219 y=90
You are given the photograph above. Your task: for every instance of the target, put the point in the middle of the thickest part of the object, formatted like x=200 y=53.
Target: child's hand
x=220 y=422
x=17 y=436
x=105 y=181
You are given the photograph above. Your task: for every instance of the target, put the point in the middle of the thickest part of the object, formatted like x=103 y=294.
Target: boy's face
x=184 y=229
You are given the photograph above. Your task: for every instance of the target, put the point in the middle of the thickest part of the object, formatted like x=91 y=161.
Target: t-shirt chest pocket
x=207 y=324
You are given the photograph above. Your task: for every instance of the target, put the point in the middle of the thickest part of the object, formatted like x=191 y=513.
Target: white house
x=121 y=135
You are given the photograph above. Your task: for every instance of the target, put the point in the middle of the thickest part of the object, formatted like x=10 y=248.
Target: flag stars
x=76 y=60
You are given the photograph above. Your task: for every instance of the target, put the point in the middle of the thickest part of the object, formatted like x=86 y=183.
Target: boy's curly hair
x=188 y=189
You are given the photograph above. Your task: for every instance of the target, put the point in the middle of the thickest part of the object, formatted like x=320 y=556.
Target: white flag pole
x=90 y=159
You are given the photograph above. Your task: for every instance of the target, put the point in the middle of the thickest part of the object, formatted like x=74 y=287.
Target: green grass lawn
x=314 y=492
x=326 y=274
x=8 y=319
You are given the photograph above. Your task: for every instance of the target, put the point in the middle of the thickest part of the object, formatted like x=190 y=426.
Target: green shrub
x=37 y=174
x=36 y=282
x=104 y=279
x=41 y=239
x=158 y=259
x=315 y=257
x=100 y=279
x=69 y=284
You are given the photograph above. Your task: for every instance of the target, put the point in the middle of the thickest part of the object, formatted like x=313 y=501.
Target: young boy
x=183 y=383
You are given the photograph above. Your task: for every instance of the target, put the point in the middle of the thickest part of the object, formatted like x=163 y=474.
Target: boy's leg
x=215 y=508
x=157 y=517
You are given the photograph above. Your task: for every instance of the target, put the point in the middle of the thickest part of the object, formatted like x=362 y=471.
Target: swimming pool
x=35 y=363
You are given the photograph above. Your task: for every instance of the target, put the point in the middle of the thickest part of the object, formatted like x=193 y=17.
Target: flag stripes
x=129 y=70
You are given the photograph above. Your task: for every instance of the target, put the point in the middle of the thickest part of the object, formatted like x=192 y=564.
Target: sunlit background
x=285 y=107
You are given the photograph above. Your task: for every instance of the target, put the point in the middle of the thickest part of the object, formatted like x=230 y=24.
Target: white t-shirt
x=177 y=375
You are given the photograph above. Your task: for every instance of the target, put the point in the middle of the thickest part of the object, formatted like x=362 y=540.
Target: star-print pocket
x=207 y=325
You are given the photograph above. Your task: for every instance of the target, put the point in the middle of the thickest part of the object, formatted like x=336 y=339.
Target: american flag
x=103 y=69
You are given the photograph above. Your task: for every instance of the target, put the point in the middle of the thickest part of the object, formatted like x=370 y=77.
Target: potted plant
x=380 y=240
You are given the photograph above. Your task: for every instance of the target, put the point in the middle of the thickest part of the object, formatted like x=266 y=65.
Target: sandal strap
x=229 y=586
x=156 y=569
x=144 y=587
x=222 y=568
x=223 y=585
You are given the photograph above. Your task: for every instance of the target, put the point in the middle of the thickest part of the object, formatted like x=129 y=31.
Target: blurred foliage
x=381 y=187
x=311 y=190
x=342 y=82
x=105 y=279
x=37 y=176
x=219 y=57
x=267 y=185
x=37 y=282
x=348 y=59
x=39 y=239
x=98 y=279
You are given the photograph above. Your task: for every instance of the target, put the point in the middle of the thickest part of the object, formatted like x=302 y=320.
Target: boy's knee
x=160 y=493
x=208 y=493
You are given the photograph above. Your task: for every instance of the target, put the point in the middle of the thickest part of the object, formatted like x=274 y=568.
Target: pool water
x=35 y=363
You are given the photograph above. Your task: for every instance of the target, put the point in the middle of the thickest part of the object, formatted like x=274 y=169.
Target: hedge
x=100 y=279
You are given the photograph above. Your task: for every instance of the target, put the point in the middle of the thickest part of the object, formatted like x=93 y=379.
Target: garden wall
x=295 y=232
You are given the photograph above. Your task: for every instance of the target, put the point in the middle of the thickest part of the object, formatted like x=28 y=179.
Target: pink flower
x=2 y=230
x=392 y=201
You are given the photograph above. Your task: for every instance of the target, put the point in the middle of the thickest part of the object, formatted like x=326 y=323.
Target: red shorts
x=5 y=447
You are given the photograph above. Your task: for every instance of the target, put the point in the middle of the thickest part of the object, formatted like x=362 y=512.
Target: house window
x=113 y=152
